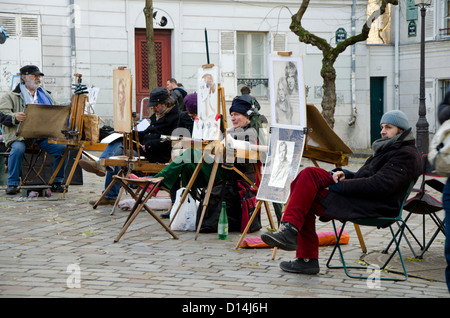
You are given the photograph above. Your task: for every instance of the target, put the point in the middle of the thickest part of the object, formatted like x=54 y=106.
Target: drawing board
x=122 y=82
x=207 y=125
x=54 y=118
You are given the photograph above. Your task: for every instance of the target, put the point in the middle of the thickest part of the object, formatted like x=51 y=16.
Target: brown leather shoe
x=103 y=201
x=92 y=167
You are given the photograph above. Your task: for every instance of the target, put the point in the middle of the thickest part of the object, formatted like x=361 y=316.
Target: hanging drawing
x=282 y=164
x=287 y=92
x=122 y=100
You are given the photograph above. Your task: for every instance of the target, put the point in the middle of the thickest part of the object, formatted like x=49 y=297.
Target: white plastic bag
x=187 y=215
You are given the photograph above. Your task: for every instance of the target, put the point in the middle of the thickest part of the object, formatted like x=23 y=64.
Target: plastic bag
x=186 y=217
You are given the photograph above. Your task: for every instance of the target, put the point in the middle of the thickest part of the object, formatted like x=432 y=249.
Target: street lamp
x=422 y=124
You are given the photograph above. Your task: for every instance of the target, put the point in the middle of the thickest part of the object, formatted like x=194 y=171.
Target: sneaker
x=57 y=187
x=92 y=167
x=301 y=266
x=11 y=189
x=285 y=238
x=103 y=201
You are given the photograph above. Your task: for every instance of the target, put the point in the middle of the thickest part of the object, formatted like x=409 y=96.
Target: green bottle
x=222 y=227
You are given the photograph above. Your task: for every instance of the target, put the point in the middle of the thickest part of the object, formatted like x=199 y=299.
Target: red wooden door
x=163 y=63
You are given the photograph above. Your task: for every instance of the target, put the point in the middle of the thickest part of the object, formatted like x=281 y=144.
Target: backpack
x=248 y=205
x=439 y=153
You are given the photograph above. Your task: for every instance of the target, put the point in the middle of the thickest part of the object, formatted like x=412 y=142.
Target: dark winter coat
x=379 y=186
x=178 y=93
x=155 y=150
x=186 y=121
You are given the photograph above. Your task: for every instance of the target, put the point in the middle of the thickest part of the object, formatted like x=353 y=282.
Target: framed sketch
x=207 y=104
x=123 y=120
x=287 y=92
x=282 y=164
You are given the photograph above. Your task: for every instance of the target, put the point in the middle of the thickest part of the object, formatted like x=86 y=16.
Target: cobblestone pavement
x=45 y=245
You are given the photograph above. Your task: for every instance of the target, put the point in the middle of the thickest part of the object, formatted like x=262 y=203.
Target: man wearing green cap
x=375 y=190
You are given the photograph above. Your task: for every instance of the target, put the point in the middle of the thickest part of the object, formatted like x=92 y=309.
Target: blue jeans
x=16 y=155
x=115 y=148
x=446 y=205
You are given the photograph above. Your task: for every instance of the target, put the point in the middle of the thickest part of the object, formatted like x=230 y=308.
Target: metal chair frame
x=379 y=222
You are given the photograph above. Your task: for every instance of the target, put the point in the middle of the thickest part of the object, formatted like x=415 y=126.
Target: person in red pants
x=376 y=189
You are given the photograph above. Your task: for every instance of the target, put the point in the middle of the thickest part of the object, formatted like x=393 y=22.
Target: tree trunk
x=150 y=38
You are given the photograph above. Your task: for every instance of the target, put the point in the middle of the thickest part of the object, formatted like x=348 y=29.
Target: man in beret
x=12 y=106
x=375 y=190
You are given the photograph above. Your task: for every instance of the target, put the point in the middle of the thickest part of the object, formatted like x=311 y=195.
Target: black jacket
x=178 y=93
x=186 y=121
x=379 y=186
x=155 y=149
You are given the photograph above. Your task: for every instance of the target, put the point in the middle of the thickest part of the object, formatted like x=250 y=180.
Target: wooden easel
x=73 y=135
x=213 y=147
x=217 y=148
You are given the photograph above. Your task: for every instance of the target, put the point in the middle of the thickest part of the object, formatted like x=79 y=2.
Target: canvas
x=207 y=105
x=37 y=114
x=122 y=93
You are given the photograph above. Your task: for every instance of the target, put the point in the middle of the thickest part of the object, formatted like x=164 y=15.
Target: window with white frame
x=445 y=30
x=250 y=62
x=444 y=86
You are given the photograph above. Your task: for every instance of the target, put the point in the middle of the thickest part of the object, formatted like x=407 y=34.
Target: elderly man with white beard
x=12 y=106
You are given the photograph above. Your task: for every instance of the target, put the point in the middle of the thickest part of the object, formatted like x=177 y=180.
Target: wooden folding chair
x=145 y=189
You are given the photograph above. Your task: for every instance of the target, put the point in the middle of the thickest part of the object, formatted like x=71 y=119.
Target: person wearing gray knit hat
x=396 y=118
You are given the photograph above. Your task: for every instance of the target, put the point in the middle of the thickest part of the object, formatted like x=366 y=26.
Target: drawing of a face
x=282 y=94
x=207 y=86
x=282 y=148
x=291 y=77
x=121 y=96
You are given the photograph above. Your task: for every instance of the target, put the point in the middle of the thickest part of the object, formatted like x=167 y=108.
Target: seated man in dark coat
x=376 y=189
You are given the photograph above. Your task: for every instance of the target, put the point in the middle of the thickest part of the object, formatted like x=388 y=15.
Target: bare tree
x=330 y=53
x=150 y=38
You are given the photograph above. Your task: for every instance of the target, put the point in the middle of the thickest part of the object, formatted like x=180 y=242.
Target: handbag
x=91 y=131
x=439 y=152
x=185 y=220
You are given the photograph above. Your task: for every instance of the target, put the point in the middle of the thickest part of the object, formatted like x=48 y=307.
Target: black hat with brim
x=31 y=70
x=158 y=96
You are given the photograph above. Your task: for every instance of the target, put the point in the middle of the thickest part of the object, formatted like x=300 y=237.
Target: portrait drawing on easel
x=282 y=164
x=122 y=100
x=207 y=126
x=287 y=92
